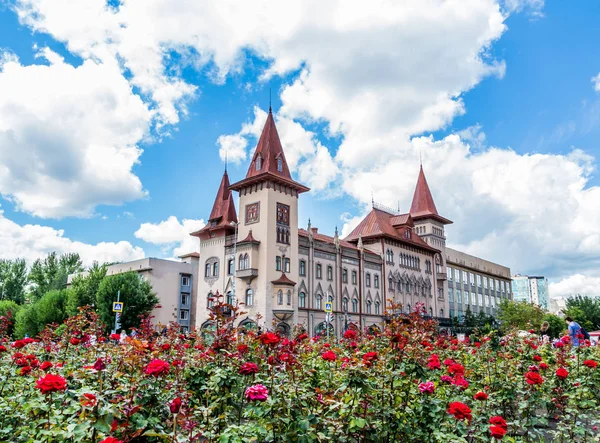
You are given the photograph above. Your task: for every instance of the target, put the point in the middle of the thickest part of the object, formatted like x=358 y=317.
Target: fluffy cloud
x=575 y=284
x=172 y=235
x=534 y=8
x=68 y=136
x=35 y=241
x=596 y=82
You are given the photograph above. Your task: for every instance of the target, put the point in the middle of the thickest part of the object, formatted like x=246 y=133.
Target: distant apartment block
x=175 y=284
x=476 y=284
x=532 y=289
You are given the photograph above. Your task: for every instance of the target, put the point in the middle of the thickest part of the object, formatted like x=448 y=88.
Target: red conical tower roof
x=268 y=161
x=223 y=211
x=422 y=204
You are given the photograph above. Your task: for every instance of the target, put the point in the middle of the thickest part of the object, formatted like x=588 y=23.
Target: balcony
x=283 y=313
x=247 y=274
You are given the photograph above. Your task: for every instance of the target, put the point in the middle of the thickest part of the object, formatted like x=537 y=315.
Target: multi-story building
x=173 y=282
x=284 y=275
x=475 y=284
x=532 y=289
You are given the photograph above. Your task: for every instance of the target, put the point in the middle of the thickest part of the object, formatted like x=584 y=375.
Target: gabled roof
x=422 y=204
x=223 y=211
x=283 y=280
x=379 y=223
x=325 y=238
x=268 y=161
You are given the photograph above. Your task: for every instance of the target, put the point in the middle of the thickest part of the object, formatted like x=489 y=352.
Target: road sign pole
x=117 y=314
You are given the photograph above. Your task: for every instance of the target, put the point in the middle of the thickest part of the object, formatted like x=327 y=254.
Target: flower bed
x=406 y=384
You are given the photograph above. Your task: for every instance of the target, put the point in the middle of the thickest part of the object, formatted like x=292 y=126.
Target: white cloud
x=577 y=284
x=36 y=241
x=68 y=136
x=534 y=8
x=172 y=235
x=596 y=82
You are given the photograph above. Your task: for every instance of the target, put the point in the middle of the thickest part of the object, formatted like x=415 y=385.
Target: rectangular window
x=450 y=294
x=449 y=271
x=368 y=280
x=459 y=296
x=278 y=263
x=207 y=270
x=479 y=280
x=184 y=314
x=451 y=313
x=287 y=265
x=302 y=268
x=329 y=273
x=185 y=280
x=185 y=299
x=480 y=298
x=230 y=266
x=472 y=279
x=376 y=281
x=319 y=271
x=353 y=277
x=215 y=269
x=344 y=276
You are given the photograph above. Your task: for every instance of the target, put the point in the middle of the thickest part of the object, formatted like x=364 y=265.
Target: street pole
x=327 y=317
x=234 y=261
x=117 y=314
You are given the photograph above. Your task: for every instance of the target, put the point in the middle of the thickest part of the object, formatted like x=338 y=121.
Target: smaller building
x=174 y=283
x=531 y=289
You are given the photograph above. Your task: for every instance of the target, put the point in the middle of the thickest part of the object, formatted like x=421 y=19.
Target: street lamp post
x=235 y=225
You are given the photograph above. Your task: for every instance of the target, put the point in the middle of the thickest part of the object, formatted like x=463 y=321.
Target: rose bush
x=405 y=383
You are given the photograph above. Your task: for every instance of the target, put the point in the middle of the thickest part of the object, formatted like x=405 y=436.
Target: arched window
x=258 y=162
x=280 y=297
x=278 y=263
x=399 y=284
x=368 y=279
x=354 y=305
x=279 y=165
x=302 y=268
x=289 y=297
x=441 y=313
x=407 y=287
x=302 y=300
x=230 y=266
x=345 y=304
x=431 y=312
x=408 y=308
x=207 y=270
x=377 y=308
x=344 y=275
x=246 y=261
x=369 y=304
x=249 y=297
x=353 y=277
x=230 y=300
x=390 y=284
x=319 y=271
x=329 y=273
x=215 y=269
x=319 y=302
x=376 y=281
x=210 y=302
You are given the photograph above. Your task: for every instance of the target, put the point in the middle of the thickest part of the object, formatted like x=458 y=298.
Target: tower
x=429 y=225
x=267 y=254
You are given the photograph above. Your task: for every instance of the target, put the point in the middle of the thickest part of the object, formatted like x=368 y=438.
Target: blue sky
x=497 y=98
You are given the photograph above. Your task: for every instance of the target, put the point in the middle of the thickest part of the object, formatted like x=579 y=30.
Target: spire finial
x=269 y=100
x=372 y=200
x=421 y=157
x=225 y=161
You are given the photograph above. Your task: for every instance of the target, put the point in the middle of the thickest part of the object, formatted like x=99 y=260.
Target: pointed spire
x=422 y=203
x=269 y=156
x=223 y=211
x=225 y=161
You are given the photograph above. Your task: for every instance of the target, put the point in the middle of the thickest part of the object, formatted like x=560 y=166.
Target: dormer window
x=279 y=165
x=407 y=234
x=258 y=162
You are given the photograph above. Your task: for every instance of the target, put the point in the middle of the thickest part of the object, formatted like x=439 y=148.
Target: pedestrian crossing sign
x=118 y=306
x=328 y=306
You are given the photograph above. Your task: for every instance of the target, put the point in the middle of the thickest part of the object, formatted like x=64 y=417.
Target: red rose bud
x=175 y=405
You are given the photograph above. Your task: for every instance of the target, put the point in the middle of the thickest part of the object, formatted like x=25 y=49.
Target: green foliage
x=52 y=272
x=520 y=315
x=13 y=278
x=84 y=288
x=136 y=294
x=50 y=308
x=557 y=325
x=9 y=307
x=585 y=310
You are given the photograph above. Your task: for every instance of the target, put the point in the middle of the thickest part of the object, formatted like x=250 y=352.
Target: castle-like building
x=285 y=275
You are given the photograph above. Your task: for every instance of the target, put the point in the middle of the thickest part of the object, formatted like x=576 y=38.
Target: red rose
x=248 y=368
x=498 y=421
x=2 y=348
x=166 y=347
x=99 y=365
x=116 y=337
x=369 y=358
x=51 y=383
x=544 y=365
x=45 y=366
x=460 y=411
x=75 y=341
x=533 y=378
x=456 y=368
x=175 y=405
x=111 y=440
x=157 y=367
x=562 y=373
x=537 y=358
x=302 y=337
x=329 y=356
x=242 y=349
x=25 y=370
x=497 y=432
x=88 y=400
x=590 y=363
x=480 y=396
x=269 y=338
x=350 y=334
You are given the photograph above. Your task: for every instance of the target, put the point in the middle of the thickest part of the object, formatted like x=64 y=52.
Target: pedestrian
x=574 y=330
x=123 y=336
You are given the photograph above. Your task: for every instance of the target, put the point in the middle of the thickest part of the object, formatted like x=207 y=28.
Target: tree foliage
x=13 y=280
x=52 y=272
x=84 y=288
x=520 y=315
x=50 y=308
x=136 y=294
x=557 y=325
x=585 y=310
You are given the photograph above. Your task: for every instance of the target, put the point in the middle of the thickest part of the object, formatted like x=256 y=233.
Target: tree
x=50 y=308
x=136 y=294
x=9 y=308
x=520 y=315
x=557 y=325
x=52 y=273
x=84 y=288
x=13 y=279
x=585 y=310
